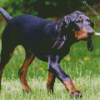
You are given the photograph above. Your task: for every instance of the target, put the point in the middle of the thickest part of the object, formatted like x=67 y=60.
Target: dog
x=47 y=40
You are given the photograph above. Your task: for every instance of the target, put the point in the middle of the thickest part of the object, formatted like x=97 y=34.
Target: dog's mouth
x=85 y=36
x=88 y=39
x=89 y=42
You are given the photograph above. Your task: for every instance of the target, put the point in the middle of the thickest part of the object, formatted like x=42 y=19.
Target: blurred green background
x=46 y=8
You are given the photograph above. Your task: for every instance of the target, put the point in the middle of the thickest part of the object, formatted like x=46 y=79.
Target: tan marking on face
x=81 y=34
x=80 y=19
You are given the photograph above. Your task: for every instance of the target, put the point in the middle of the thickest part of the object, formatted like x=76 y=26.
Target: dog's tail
x=5 y=14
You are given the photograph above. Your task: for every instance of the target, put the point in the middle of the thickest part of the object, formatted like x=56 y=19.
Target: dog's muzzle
x=90 y=31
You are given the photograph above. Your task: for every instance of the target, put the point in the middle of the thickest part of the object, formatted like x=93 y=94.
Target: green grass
x=12 y=90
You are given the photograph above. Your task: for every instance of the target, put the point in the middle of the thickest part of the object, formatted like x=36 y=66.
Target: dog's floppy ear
x=62 y=31
x=64 y=23
x=62 y=36
x=67 y=20
x=70 y=19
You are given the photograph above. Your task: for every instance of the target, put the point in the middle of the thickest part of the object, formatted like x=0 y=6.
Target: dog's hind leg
x=23 y=71
x=6 y=54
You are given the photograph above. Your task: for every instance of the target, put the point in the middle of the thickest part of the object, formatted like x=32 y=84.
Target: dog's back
x=35 y=32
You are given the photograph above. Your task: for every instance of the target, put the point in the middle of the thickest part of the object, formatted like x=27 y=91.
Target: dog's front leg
x=51 y=80
x=54 y=67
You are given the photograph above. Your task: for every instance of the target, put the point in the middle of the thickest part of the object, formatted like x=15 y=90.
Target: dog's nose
x=89 y=30
x=90 y=33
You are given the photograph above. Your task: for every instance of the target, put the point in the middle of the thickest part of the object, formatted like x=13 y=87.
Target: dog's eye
x=88 y=20
x=78 y=21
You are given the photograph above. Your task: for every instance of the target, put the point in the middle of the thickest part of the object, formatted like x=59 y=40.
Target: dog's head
x=81 y=26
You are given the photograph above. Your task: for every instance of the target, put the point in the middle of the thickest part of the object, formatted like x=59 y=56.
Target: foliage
x=43 y=8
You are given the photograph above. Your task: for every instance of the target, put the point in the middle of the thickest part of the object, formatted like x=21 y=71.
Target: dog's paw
x=78 y=94
x=27 y=91
x=72 y=94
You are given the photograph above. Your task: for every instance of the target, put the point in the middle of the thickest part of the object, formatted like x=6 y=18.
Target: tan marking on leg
x=23 y=71
x=51 y=80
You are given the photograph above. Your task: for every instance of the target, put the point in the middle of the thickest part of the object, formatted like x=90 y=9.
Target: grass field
x=82 y=65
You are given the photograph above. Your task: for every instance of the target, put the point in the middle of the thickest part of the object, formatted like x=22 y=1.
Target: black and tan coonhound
x=47 y=40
